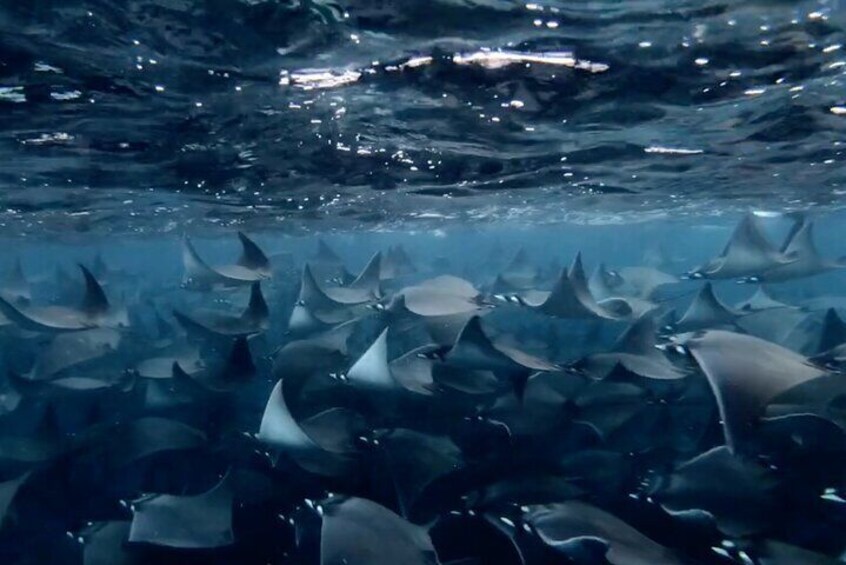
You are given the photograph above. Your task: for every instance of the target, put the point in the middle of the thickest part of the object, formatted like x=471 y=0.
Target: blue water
x=502 y=142
x=151 y=116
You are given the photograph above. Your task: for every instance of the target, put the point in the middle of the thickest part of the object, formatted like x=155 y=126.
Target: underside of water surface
x=422 y=282
x=144 y=116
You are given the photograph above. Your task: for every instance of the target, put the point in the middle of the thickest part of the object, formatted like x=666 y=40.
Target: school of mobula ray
x=265 y=411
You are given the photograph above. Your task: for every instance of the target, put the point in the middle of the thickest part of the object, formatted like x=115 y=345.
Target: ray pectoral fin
x=800 y=242
x=240 y=361
x=257 y=310
x=368 y=280
x=748 y=239
x=616 y=307
x=15 y=285
x=196 y=272
x=252 y=257
x=570 y=296
x=94 y=301
x=415 y=461
x=639 y=337
x=745 y=373
x=12 y=312
x=748 y=252
x=738 y=493
x=372 y=370
x=563 y=525
x=311 y=294
x=188 y=323
x=278 y=427
x=177 y=372
x=356 y=531
x=281 y=431
x=188 y=522
x=337 y=337
x=706 y=311
x=9 y=490
x=473 y=349
x=47 y=320
x=789 y=257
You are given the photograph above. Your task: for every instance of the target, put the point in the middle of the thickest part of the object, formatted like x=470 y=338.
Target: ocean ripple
x=144 y=115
